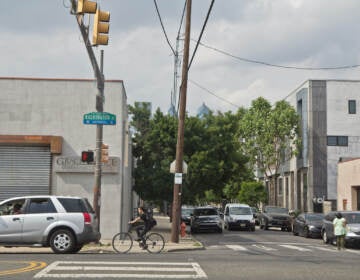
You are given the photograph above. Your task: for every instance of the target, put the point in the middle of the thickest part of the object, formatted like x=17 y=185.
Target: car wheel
x=325 y=237
x=306 y=232
x=62 y=241
x=77 y=248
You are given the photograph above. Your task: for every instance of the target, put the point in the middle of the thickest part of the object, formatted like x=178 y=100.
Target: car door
x=328 y=225
x=300 y=224
x=11 y=223
x=40 y=213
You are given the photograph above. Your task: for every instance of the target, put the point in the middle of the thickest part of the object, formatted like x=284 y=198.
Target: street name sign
x=99 y=118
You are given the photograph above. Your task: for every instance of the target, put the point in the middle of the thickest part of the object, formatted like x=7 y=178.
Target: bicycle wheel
x=122 y=242
x=154 y=242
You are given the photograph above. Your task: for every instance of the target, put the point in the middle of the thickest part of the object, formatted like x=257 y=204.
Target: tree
x=252 y=193
x=269 y=138
x=211 y=149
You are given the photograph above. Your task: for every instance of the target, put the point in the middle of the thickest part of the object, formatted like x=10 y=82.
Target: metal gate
x=24 y=170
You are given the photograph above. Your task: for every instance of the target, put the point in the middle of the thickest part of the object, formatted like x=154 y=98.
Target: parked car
x=239 y=216
x=186 y=212
x=205 y=218
x=352 y=237
x=63 y=223
x=274 y=216
x=308 y=224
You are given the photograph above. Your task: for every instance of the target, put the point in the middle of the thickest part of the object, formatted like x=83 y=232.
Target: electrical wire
x=181 y=21
x=208 y=91
x=276 y=65
x=163 y=28
x=201 y=33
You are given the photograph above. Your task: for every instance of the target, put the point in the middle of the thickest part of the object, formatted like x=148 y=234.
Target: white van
x=239 y=216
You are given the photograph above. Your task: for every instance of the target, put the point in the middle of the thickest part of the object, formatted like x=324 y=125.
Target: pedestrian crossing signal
x=87 y=156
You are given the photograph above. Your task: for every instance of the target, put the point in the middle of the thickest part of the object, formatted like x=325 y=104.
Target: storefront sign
x=75 y=165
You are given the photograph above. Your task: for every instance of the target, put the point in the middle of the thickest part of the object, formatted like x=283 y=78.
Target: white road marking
x=262 y=247
x=183 y=270
x=324 y=249
x=237 y=247
x=295 y=248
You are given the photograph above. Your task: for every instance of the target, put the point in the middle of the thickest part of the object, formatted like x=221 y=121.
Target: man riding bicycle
x=141 y=230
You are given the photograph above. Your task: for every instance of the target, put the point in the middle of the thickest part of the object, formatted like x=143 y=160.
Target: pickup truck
x=274 y=216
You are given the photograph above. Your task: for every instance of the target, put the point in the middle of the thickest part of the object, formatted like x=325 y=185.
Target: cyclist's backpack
x=150 y=213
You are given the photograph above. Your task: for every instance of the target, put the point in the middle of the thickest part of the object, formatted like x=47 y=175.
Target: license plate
x=242 y=225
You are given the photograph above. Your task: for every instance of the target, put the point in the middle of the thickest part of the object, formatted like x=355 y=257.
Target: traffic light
x=85 y=6
x=104 y=153
x=101 y=27
x=87 y=156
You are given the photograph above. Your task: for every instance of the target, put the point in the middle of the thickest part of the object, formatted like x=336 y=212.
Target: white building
x=42 y=136
x=330 y=128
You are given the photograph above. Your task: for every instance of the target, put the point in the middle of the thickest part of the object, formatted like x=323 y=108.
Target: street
x=271 y=254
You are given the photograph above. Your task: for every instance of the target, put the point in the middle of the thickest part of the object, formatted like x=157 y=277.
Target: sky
x=41 y=39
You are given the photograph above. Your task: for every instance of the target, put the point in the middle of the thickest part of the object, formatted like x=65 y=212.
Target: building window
x=352 y=106
x=337 y=141
x=280 y=186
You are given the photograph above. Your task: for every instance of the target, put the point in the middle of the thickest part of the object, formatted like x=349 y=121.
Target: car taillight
x=87 y=218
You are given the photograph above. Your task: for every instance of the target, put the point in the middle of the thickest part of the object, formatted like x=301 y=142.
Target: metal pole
x=99 y=104
x=99 y=141
x=176 y=207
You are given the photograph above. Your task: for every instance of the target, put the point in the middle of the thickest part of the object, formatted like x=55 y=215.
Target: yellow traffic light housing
x=85 y=6
x=104 y=153
x=101 y=27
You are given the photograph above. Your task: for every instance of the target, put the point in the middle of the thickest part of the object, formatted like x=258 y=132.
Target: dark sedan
x=308 y=225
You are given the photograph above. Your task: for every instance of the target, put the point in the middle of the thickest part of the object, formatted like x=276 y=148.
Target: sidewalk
x=104 y=247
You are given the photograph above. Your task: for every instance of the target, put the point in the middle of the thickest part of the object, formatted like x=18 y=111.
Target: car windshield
x=352 y=218
x=205 y=212
x=187 y=211
x=276 y=210
x=315 y=217
x=240 y=211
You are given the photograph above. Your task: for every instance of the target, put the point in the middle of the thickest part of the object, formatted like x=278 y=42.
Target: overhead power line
x=276 y=65
x=163 y=28
x=201 y=33
x=208 y=91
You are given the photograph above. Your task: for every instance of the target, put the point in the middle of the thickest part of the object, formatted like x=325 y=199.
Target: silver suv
x=61 y=222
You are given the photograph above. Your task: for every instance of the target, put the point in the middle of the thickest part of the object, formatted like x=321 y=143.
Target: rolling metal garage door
x=24 y=170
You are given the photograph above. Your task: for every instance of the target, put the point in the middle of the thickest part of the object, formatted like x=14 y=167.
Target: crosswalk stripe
x=142 y=270
x=264 y=247
x=295 y=248
x=323 y=249
x=237 y=247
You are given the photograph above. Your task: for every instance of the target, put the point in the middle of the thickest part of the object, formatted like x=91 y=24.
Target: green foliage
x=270 y=134
x=252 y=193
x=211 y=150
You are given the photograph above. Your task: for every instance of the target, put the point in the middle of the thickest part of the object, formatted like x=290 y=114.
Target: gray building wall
x=56 y=107
x=324 y=112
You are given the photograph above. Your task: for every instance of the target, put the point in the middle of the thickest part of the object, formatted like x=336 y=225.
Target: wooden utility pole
x=176 y=207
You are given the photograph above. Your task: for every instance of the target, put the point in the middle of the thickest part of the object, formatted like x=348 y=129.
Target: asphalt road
x=231 y=255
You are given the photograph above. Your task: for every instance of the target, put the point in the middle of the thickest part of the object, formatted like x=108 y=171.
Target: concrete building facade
x=330 y=131
x=42 y=135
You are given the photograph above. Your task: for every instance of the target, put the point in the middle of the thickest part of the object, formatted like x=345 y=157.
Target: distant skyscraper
x=202 y=111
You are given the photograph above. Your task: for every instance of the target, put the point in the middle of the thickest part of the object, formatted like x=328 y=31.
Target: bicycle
x=122 y=242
